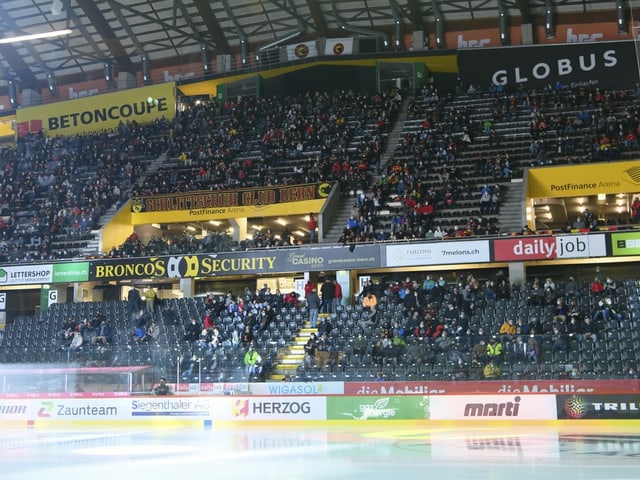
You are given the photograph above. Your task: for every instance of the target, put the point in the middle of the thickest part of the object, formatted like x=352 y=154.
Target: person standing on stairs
x=313 y=304
x=313 y=225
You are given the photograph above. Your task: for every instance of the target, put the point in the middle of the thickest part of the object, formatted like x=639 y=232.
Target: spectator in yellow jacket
x=494 y=349
x=491 y=370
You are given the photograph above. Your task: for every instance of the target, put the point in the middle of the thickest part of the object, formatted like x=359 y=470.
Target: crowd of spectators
x=251 y=142
x=434 y=168
x=184 y=243
x=446 y=325
x=55 y=189
x=472 y=329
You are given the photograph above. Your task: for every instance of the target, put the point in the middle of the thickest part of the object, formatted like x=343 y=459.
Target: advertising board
x=627 y=243
x=548 y=248
x=390 y=407
x=574 y=65
x=491 y=387
x=275 y=408
x=611 y=407
x=437 y=253
x=493 y=407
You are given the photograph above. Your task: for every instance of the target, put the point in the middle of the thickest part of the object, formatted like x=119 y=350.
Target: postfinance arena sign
x=102 y=112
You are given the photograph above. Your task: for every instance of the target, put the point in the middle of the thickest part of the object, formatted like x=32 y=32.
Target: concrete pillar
x=517 y=273
x=61 y=292
x=31 y=97
x=420 y=41
x=344 y=279
x=126 y=80
x=239 y=228
x=187 y=286
x=526 y=31
x=223 y=63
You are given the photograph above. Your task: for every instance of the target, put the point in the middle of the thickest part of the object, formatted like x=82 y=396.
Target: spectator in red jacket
x=597 y=286
x=337 y=294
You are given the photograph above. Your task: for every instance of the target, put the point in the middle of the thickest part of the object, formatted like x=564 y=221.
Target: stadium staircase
x=343 y=210
x=511 y=217
x=338 y=221
x=292 y=356
x=94 y=246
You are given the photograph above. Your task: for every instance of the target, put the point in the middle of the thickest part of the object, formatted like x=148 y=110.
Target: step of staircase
x=293 y=355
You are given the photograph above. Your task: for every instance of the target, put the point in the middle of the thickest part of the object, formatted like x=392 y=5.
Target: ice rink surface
x=594 y=450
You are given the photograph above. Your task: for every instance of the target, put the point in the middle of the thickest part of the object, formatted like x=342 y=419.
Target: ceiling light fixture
x=36 y=36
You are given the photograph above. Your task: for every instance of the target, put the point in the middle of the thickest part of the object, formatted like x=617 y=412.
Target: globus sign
x=601 y=64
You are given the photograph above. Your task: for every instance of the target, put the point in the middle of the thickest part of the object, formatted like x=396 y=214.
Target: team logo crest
x=137 y=206
x=301 y=51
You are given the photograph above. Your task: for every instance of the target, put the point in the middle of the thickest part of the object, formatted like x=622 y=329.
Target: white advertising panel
x=493 y=407
x=581 y=246
x=438 y=253
x=26 y=274
x=279 y=408
x=71 y=409
x=297 y=388
x=171 y=407
x=18 y=409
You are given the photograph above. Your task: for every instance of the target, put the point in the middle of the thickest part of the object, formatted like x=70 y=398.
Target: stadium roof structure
x=124 y=33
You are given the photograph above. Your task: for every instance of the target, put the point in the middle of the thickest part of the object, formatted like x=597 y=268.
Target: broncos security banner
x=260 y=261
x=103 y=112
x=603 y=64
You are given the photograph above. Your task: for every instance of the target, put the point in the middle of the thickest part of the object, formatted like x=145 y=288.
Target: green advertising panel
x=413 y=407
x=70 y=272
x=625 y=243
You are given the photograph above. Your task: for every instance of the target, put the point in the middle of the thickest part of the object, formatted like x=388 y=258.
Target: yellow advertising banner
x=7 y=127
x=102 y=112
x=225 y=213
x=584 y=180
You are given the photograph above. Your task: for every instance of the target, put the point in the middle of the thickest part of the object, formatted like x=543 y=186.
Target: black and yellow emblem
x=137 y=206
x=301 y=51
x=324 y=189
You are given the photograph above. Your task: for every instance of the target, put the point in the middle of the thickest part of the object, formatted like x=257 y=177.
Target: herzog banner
x=603 y=64
x=237 y=263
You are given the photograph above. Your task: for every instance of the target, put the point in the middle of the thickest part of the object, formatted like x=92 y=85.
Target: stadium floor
x=560 y=450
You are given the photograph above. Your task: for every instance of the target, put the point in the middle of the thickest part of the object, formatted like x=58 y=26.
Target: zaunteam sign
x=103 y=112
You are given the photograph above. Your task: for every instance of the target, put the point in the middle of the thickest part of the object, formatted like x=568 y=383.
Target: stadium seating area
x=274 y=141
x=42 y=340
x=610 y=354
x=451 y=148
x=448 y=151
x=54 y=190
